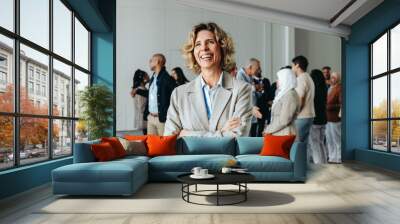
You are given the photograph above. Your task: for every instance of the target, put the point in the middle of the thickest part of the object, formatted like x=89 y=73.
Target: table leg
x=245 y=193
x=188 y=190
x=196 y=188
x=182 y=188
x=217 y=194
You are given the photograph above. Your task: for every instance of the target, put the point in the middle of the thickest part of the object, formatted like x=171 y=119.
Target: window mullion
x=389 y=104
x=371 y=89
x=16 y=70
x=73 y=82
x=50 y=81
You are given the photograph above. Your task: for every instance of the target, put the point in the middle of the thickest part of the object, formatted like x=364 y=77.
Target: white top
x=306 y=89
x=209 y=94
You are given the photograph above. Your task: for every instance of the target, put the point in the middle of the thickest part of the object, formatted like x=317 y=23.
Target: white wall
x=320 y=49
x=145 y=27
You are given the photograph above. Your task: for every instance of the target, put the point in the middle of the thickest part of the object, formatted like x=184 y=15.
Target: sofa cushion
x=116 y=145
x=83 y=152
x=133 y=158
x=161 y=145
x=257 y=163
x=111 y=171
x=249 y=145
x=103 y=152
x=194 y=145
x=134 y=147
x=277 y=145
x=185 y=163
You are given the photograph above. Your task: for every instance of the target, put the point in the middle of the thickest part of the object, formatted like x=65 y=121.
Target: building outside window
x=3 y=78
x=43 y=78
x=37 y=75
x=43 y=90
x=30 y=72
x=38 y=89
x=30 y=87
x=3 y=61
x=3 y=72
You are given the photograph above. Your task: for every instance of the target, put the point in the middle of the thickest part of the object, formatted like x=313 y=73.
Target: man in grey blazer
x=213 y=104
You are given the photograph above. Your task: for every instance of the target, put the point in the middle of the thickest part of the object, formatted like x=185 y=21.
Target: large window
x=385 y=94
x=44 y=64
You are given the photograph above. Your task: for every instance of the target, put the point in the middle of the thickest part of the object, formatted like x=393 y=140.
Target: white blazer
x=187 y=109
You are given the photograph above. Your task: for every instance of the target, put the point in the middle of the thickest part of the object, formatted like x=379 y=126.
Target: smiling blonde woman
x=214 y=103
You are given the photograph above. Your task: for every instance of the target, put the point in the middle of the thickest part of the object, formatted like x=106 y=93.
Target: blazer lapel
x=221 y=99
x=198 y=104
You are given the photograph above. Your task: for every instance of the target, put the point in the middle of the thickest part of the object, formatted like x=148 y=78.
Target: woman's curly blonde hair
x=223 y=39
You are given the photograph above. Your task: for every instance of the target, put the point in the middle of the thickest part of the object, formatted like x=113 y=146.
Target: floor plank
x=376 y=189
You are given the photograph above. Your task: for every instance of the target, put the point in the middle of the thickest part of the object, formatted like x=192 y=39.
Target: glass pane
x=379 y=56
x=395 y=138
x=81 y=45
x=62 y=138
x=35 y=21
x=379 y=135
x=81 y=81
x=395 y=95
x=6 y=142
x=34 y=92
x=6 y=74
x=81 y=131
x=7 y=14
x=33 y=139
x=62 y=89
x=395 y=47
x=62 y=29
x=379 y=97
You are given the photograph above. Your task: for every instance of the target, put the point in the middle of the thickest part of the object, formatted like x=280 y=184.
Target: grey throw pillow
x=137 y=148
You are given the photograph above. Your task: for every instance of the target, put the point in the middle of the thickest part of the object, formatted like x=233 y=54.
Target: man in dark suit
x=160 y=89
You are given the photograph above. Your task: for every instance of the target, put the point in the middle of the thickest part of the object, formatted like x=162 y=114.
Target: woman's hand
x=256 y=112
x=231 y=124
x=133 y=92
x=177 y=132
x=265 y=133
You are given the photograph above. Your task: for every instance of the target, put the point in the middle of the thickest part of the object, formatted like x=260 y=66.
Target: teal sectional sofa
x=125 y=176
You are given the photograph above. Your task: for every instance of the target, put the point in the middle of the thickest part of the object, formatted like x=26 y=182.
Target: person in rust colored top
x=333 y=127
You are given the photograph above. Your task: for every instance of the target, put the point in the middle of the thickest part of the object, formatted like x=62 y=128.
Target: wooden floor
x=378 y=189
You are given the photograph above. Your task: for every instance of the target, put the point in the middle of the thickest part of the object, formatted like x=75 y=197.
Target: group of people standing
x=151 y=96
x=225 y=101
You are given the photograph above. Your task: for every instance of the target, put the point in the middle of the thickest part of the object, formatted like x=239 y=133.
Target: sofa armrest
x=83 y=152
x=298 y=155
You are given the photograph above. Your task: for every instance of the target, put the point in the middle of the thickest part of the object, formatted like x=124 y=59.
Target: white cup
x=196 y=171
x=226 y=170
x=203 y=172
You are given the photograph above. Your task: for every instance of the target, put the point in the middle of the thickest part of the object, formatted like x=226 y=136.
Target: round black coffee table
x=238 y=179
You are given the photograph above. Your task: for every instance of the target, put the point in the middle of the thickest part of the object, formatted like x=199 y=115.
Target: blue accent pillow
x=206 y=145
x=83 y=152
x=249 y=145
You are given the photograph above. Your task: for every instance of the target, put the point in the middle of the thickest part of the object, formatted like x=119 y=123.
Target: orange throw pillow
x=135 y=137
x=103 y=152
x=161 y=145
x=116 y=145
x=277 y=145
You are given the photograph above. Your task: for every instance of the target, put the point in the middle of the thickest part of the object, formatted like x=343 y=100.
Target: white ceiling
x=319 y=9
x=312 y=15
x=306 y=14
